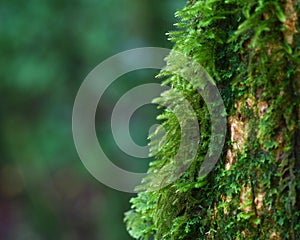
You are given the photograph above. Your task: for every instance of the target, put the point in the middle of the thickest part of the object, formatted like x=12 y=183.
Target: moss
x=254 y=59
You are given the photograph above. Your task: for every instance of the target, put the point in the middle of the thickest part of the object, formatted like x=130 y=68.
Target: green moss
x=242 y=45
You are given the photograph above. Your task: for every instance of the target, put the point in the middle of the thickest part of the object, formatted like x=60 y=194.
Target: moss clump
x=251 y=49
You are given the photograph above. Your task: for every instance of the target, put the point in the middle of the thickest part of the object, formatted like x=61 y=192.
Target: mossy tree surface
x=251 y=48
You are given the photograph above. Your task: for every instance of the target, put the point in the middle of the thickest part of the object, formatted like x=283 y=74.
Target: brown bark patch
x=229 y=159
x=259 y=202
x=262 y=108
x=238 y=133
x=290 y=23
x=275 y=236
x=245 y=199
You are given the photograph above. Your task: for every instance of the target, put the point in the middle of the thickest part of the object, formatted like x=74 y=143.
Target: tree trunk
x=251 y=49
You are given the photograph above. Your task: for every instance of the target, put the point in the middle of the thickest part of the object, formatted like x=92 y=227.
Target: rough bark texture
x=252 y=49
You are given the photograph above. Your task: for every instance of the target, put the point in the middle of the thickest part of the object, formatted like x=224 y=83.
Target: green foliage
x=243 y=45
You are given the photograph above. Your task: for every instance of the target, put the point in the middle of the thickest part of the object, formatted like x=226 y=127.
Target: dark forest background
x=46 y=50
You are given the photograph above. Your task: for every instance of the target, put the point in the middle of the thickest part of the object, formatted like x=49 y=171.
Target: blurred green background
x=47 y=48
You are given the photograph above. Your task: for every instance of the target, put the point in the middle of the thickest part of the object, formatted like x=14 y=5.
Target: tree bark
x=252 y=49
